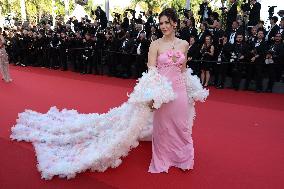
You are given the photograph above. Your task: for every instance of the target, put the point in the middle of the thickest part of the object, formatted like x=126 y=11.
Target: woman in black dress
x=207 y=54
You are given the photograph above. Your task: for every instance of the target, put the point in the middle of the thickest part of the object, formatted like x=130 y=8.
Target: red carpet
x=239 y=136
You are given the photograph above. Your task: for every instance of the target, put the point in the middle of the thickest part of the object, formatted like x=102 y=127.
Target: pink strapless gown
x=172 y=144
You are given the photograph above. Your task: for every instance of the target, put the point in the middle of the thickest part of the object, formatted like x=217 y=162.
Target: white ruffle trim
x=67 y=142
x=152 y=86
x=195 y=91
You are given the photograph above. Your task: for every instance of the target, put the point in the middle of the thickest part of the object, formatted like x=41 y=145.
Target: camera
x=271 y=10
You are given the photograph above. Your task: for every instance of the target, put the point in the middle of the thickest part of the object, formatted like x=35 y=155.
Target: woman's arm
x=211 y=53
x=152 y=54
x=186 y=46
x=2 y=41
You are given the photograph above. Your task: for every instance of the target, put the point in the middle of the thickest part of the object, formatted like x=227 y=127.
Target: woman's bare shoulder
x=184 y=42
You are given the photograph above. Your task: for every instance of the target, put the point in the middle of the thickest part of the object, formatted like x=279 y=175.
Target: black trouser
x=125 y=65
x=236 y=75
x=55 y=58
x=46 y=58
x=63 y=59
x=259 y=76
x=221 y=71
x=111 y=62
x=97 y=62
x=39 y=58
x=250 y=70
x=87 y=65
x=141 y=65
x=194 y=66
x=76 y=59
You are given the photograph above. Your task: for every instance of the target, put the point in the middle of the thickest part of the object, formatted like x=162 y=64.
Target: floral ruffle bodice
x=170 y=58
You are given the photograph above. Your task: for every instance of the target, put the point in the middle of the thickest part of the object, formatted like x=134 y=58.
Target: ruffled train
x=67 y=142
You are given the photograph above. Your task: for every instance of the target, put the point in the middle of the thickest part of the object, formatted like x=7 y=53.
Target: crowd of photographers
x=222 y=45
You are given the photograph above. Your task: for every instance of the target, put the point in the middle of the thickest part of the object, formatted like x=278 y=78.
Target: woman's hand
x=150 y=105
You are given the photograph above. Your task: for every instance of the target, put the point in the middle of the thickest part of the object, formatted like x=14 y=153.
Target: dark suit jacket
x=144 y=48
x=202 y=9
x=201 y=37
x=261 y=51
x=272 y=32
x=232 y=15
x=194 y=51
x=254 y=15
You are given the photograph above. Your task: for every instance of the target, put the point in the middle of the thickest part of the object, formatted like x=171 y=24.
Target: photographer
x=88 y=53
x=139 y=19
x=142 y=49
x=204 y=11
x=274 y=28
x=239 y=54
x=232 y=14
x=258 y=54
x=101 y=17
x=126 y=49
x=193 y=54
x=273 y=59
x=224 y=54
x=125 y=22
x=254 y=13
x=150 y=22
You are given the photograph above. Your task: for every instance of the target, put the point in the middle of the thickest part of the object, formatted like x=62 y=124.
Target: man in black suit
x=101 y=16
x=87 y=55
x=150 y=22
x=235 y=29
x=126 y=49
x=274 y=28
x=258 y=54
x=191 y=28
x=281 y=29
x=239 y=55
x=231 y=14
x=193 y=54
x=183 y=32
x=203 y=33
x=254 y=15
x=218 y=33
x=224 y=49
x=204 y=11
x=273 y=61
x=125 y=23
x=142 y=48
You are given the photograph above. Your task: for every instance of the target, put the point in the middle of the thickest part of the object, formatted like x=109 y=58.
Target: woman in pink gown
x=67 y=142
x=171 y=143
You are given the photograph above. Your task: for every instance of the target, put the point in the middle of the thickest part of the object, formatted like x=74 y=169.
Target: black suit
x=202 y=35
x=231 y=16
x=254 y=15
x=233 y=33
x=271 y=33
x=237 y=68
x=126 y=49
x=260 y=49
x=193 y=32
x=184 y=33
x=141 y=59
x=217 y=34
x=201 y=11
x=224 y=55
x=194 y=53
